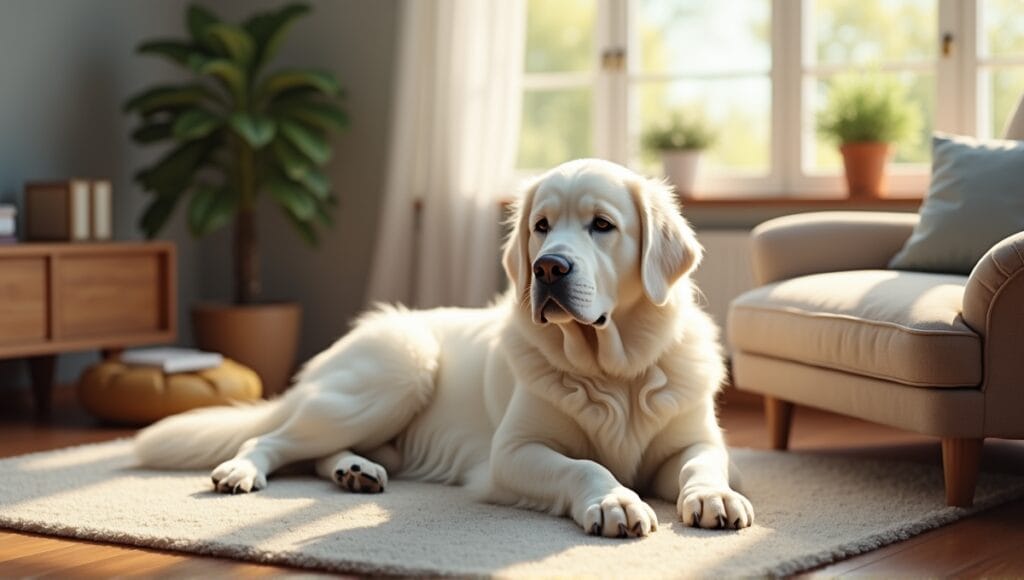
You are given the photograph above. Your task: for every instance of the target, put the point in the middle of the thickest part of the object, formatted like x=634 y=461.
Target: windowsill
x=717 y=210
x=736 y=212
x=817 y=201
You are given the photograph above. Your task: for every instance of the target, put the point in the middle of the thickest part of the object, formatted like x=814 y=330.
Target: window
x=559 y=82
x=889 y=37
x=999 y=62
x=600 y=72
x=693 y=55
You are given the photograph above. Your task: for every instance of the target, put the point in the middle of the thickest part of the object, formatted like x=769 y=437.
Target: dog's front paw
x=619 y=514
x=360 y=475
x=238 y=476
x=707 y=507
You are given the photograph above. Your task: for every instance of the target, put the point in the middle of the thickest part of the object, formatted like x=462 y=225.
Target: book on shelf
x=8 y=221
x=102 y=210
x=72 y=210
x=173 y=359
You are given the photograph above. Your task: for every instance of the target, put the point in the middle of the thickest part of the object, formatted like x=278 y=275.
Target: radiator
x=725 y=272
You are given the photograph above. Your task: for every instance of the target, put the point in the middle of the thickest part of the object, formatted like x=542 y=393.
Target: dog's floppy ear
x=669 y=247
x=516 y=257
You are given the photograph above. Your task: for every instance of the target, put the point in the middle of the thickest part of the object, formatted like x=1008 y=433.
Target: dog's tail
x=206 y=437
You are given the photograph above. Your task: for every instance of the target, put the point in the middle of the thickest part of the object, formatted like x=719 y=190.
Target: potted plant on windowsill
x=680 y=143
x=239 y=134
x=865 y=114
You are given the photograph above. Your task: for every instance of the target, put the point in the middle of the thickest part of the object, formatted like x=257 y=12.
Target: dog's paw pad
x=361 y=476
x=238 y=476
x=619 y=514
x=714 y=509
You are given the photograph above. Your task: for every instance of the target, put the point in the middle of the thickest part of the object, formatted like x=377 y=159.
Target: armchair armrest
x=994 y=307
x=817 y=242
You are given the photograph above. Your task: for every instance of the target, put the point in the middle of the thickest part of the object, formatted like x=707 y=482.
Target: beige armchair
x=832 y=328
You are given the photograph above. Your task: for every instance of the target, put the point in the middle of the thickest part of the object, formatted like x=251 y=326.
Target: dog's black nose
x=551 y=268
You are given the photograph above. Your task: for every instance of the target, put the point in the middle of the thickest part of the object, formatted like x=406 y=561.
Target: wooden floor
x=988 y=544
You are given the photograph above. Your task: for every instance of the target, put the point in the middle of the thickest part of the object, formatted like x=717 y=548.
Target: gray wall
x=67 y=66
x=66 y=69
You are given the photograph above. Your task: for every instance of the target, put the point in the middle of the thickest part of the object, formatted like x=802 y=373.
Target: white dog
x=591 y=380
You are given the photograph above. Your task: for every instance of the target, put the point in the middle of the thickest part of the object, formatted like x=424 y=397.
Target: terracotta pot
x=681 y=167
x=865 y=168
x=262 y=337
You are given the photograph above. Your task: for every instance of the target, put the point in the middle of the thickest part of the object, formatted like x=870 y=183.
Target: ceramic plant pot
x=681 y=169
x=865 y=168
x=263 y=337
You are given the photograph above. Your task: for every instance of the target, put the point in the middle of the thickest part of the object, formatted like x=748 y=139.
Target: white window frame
x=957 y=84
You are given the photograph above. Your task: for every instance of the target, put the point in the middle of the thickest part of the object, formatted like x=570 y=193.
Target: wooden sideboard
x=58 y=298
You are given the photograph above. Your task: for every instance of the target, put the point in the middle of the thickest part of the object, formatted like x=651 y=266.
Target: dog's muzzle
x=553 y=299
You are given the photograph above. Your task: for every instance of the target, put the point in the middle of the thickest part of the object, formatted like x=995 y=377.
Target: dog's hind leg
x=367 y=391
x=323 y=424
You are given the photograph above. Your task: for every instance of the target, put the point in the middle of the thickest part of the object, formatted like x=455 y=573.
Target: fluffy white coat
x=580 y=389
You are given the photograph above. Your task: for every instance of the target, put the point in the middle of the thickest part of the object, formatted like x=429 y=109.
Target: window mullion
x=787 y=94
x=602 y=80
x=967 y=71
x=613 y=116
x=950 y=71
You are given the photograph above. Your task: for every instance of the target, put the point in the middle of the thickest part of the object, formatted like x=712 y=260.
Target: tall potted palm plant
x=238 y=133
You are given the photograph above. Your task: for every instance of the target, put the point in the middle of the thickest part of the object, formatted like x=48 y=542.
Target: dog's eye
x=541 y=226
x=601 y=225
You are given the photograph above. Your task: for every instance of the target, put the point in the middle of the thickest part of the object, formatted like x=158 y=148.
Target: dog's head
x=590 y=237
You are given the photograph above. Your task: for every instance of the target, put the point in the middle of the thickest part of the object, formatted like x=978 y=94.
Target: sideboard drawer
x=109 y=295
x=23 y=300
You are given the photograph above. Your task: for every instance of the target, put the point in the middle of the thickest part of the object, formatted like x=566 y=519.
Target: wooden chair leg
x=961 y=459
x=778 y=415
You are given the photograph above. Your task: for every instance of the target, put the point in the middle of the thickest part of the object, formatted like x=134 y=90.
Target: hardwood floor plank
x=1007 y=564
x=851 y=565
x=961 y=546
x=27 y=547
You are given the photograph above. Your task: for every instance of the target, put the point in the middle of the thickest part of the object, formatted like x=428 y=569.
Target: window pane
x=556 y=127
x=560 y=35
x=739 y=110
x=696 y=36
x=1002 y=27
x=1001 y=88
x=823 y=155
x=874 y=31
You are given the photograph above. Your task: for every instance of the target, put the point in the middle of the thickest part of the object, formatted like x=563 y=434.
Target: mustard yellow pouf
x=136 y=394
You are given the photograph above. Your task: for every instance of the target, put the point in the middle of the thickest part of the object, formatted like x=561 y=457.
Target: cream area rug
x=811 y=510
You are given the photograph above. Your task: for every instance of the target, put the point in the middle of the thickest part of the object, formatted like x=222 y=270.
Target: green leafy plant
x=682 y=132
x=867 y=108
x=238 y=132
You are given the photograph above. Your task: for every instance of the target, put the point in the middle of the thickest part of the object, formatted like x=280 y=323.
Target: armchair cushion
x=904 y=327
x=976 y=198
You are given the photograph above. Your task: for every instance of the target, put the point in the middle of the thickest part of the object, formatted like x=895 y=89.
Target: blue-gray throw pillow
x=975 y=200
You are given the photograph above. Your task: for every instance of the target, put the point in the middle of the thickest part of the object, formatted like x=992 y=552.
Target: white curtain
x=454 y=137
